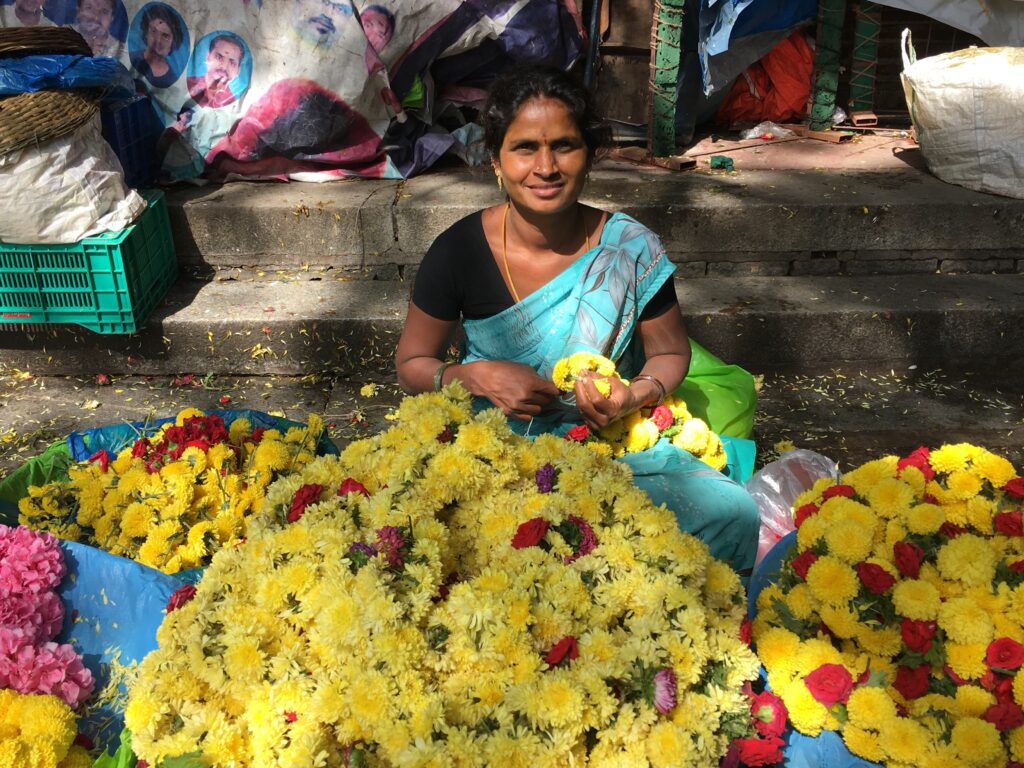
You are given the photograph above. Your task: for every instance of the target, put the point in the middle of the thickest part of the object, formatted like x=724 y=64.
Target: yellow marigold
x=668 y=745
x=188 y=413
x=832 y=581
x=368 y=390
x=890 y=497
x=925 y=518
x=569 y=368
x=870 y=707
x=916 y=599
x=1018 y=687
x=866 y=475
x=968 y=559
x=777 y=646
x=811 y=532
x=976 y=741
x=715 y=457
x=77 y=757
x=964 y=621
x=800 y=602
x=904 y=739
x=805 y=712
x=949 y=458
x=693 y=436
x=886 y=641
x=849 y=541
x=967 y=661
x=979 y=514
x=1015 y=741
x=962 y=484
x=843 y=622
x=995 y=469
x=973 y=700
x=914 y=477
x=863 y=743
x=239 y=429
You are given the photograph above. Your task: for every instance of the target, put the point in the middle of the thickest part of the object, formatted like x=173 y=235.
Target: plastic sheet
x=775 y=487
x=765 y=128
x=114 y=607
x=721 y=394
x=63 y=72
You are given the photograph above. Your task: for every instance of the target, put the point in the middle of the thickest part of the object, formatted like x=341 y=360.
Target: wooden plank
x=641 y=156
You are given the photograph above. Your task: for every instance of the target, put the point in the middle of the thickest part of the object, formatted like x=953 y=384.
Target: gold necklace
x=504 y=254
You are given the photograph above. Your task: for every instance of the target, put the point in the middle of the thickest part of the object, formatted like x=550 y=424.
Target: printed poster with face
x=310 y=89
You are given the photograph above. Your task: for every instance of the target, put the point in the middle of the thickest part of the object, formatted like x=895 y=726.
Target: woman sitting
x=542 y=276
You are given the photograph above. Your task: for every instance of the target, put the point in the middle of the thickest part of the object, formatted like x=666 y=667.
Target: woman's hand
x=597 y=410
x=513 y=387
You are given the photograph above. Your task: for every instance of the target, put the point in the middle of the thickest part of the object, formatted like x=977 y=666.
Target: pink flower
x=47 y=668
x=391 y=544
x=39 y=616
x=30 y=561
x=662 y=417
x=665 y=691
x=578 y=434
x=348 y=485
x=588 y=542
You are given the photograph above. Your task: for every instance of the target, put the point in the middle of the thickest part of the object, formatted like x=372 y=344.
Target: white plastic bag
x=775 y=487
x=65 y=189
x=967 y=107
x=766 y=128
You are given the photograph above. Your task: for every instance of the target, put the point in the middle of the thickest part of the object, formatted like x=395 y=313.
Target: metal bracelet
x=657 y=383
x=439 y=373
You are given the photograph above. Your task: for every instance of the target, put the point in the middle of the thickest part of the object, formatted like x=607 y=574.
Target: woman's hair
x=160 y=12
x=521 y=83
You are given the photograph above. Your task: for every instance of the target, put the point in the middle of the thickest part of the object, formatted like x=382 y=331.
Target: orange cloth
x=775 y=88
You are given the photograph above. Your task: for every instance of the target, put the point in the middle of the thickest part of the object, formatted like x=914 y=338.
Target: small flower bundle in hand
x=568 y=371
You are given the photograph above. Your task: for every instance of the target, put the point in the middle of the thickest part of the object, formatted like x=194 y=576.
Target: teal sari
x=594 y=306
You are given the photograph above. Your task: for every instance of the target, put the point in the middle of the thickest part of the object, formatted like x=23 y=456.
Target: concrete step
x=316 y=322
x=751 y=222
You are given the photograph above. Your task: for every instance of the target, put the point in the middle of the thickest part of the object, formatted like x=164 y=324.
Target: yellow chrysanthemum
x=863 y=743
x=976 y=741
x=967 y=661
x=925 y=519
x=968 y=559
x=962 y=485
x=916 y=599
x=949 y=458
x=568 y=369
x=805 y=712
x=965 y=622
x=904 y=740
x=1016 y=743
x=832 y=581
x=995 y=469
x=849 y=541
x=973 y=700
x=870 y=708
x=890 y=497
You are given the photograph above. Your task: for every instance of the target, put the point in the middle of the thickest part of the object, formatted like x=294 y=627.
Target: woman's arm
x=513 y=387
x=667 y=350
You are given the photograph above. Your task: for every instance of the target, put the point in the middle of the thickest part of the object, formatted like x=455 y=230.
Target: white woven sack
x=65 y=189
x=968 y=112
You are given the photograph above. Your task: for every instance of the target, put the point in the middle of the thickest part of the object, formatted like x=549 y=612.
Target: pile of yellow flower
x=38 y=730
x=171 y=500
x=898 y=617
x=447 y=593
x=641 y=429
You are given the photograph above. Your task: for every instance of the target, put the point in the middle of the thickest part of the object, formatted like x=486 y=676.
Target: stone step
x=310 y=322
x=756 y=222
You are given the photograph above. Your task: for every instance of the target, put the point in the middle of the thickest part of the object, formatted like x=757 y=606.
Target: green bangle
x=439 y=373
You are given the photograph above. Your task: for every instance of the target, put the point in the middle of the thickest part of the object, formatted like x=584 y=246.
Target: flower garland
x=641 y=429
x=38 y=731
x=898 y=618
x=171 y=500
x=447 y=593
x=31 y=615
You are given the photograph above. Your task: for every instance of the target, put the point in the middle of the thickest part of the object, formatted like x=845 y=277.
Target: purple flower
x=359 y=554
x=391 y=544
x=665 y=691
x=366 y=549
x=546 y=478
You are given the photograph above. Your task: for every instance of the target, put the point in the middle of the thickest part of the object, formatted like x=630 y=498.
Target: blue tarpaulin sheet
x=61 y=72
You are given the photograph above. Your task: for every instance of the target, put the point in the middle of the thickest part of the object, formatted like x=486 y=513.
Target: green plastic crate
x=108 y=283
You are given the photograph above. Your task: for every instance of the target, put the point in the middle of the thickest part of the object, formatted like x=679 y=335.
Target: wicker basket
x=23 y=41
x=34 y=118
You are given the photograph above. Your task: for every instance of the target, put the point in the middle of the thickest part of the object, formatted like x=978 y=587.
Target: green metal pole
x=666 y=41
x=831 y=14
x=865 y=56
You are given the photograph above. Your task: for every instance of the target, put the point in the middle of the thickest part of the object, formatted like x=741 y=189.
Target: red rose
x=1005 y=653
x=998 y=684
x=802 y=563
x=578 y=433
x=877 y=580
x=1015 y=488
x=754 y=752
x=662 y=417
x=348 y=485
x=802 y=513
x=917 y=635
x=769 y=714
x=830 y=684
x=446 y=435
x=920 y=459
x=1004 y=714
x=839 y=490
x=949 y=530
x=306 y=495
x=290 y=716
x=180 y=596
x=1017 y=567
x=1009 y=523
x=908 y=558
x=913 y=683
x=530 y=533
x=564 y=647
x=103 y=458
x=746 y=631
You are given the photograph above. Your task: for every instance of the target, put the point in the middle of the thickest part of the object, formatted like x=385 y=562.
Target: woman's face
x=543 y=159
x=159 y=37
x=95 y=17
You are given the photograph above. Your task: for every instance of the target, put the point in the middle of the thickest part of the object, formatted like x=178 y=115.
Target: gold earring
x=497 y=175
